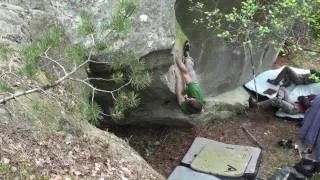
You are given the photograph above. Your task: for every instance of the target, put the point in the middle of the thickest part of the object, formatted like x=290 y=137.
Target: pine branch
x=98 y=79
x=45 y=87
x=60 y=65
x=13 y=96
x=101 y=90
x=97 y=62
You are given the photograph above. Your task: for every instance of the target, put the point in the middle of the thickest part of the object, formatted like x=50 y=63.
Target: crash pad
x=199 y=143
x=184 y=173
x=294 y=91
x=222 y=161
x=282 y=114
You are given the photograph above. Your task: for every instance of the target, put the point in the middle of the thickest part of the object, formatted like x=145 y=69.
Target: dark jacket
x=311 y=123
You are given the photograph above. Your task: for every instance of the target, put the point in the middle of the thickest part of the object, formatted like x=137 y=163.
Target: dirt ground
x=164 y=147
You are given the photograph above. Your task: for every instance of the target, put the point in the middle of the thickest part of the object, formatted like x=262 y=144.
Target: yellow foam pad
x=222 y=161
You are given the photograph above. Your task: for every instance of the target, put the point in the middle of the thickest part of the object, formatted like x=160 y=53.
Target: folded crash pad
x=282 y=114
x=294 y=91
x=251 y=163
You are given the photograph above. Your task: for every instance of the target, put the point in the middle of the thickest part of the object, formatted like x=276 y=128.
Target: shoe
x=305 y=167
x=316 y=166
x=272 y=81
x=307 y=151
x=252 y=102
x=186 y=48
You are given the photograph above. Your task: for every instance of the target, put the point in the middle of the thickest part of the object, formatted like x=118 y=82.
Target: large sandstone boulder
x=151 y=37
x=64 y=147
x=153 y=26
x=220 y=67
x=222 y=70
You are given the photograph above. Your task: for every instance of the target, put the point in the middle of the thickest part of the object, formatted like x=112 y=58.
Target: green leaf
x=75 y=53
x=5 y=50
x=125 y=101
x=117 y=115
x=4 y=86
x=134 y=100
x=120 y=24
x=52 y=38
x=87 y=24
x=118 y=77
x=92 y=113
x=127 y=7
x=100 y=46
x=137 y=66
x=33 y=51
x=120 y=21
x=141 y=81
x=29 y=68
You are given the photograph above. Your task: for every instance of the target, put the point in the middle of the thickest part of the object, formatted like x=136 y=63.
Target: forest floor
x=164 y=147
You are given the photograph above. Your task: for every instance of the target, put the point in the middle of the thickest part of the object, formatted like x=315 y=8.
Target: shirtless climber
x=191 y=98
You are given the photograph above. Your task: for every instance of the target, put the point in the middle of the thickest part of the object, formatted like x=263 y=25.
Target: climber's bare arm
x=184 y=70
x=180 y=97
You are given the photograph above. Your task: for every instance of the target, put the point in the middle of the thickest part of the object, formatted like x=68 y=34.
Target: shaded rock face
x=158 y=102
x=220 y=67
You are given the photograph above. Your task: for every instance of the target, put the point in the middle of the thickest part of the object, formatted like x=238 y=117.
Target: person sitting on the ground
x=282 y=101
x=289 y=76
x=310 y=136
x=191 y=98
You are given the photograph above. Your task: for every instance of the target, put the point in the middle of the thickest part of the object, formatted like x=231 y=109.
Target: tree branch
x=97 y=62
x=92 y=97
x=98 y=79
x=310 y=50
x=100 y=90
x=47 y=57
x=45 y=87
x=13 y=96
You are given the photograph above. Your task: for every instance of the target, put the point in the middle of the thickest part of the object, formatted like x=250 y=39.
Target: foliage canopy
x=260 y=20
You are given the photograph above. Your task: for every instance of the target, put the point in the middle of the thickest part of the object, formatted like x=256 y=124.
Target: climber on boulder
x=191 y=98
